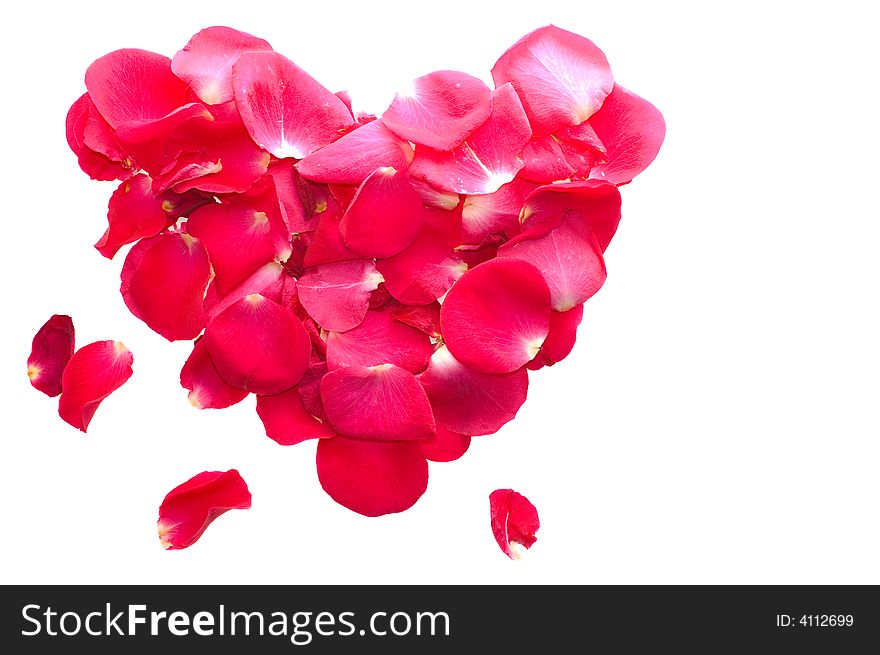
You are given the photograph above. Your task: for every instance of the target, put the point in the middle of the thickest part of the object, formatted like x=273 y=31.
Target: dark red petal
x=287 y=421
x=446 y=446
x=496 y=316
x=337 y=295
x=488 y=158
x=191 y=507
x=51 y=349
x=93 y=373
x=163 y=284
x=134 y=212
x=568 y=256
x=632 y=130
x=545 y=161
x=357 y=154
x=596 y=201
x=384 y=217
x=440 y=109
x=514 y=520
x=561 y=338
x=380 y=339
x=469 y=402
x=370 y=477
x=495 y=213
x=207 y=390
x=383 y=403
x=425 y=318
x=561 y=78
x=205 y=63
x=284 y=109
x=258 y=345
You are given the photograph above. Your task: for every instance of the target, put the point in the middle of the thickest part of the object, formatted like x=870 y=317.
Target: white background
x=716 y=423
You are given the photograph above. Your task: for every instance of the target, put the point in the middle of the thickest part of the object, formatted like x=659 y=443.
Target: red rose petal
x=258 y=345
x=205 y=63
x=435 y=198
x=370 y=477
x=326 y=245
x=425 y=318
x=379 y=339
x=440 y=109
x=163 y=284
x=560 y=340
x=188 y=509
x=337 y=295
x=632 y=130
x=596 y=201
x=310 y=388
x=545 y=161
x=384 y=217
x=287 y=185
x=446 y=446
x=383 y=403
x=514 y=520
x=357 y=154
x=51 y=349
x=495 y=318
x=561 y=78
x=269 y=281
x=582 y=148
x=468 y=402
x=568 y=256
x=287 y=421
x=93 y=373
x=134 y=212
x=284 y=109
x=207 y=390
x=95 y=164
x=495 y=213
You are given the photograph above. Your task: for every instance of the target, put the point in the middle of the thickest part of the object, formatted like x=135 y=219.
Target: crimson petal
x=496 y=316
x=189 y=508
x=495 y=213
x=207 y=390
x=447 y=446
x=51 y=349
x=545 y=161
x=95 y=164
x=380 y=339
x=287 y=421
x=134 y=212
x=370 y=477
x=93 y=373
x=258 y=345
x=560 y=340
x=425 y=318
x=337 y=295
x=514 y=520
x=382 y=403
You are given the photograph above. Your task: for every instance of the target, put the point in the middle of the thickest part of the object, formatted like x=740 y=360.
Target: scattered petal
x=446 y=446
x=287 y=421
x=51 y=349
x=425 y=318
x=545 y=161
x=337 y=295
x=93 y=373
x=514 y=520
x=494 y=214
x=380 y=339
x=560 y=340
x=207 y=390
x=134 y=213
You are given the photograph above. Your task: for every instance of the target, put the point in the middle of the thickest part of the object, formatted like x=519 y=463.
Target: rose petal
x=425 y=318
x=440 y=109
x=189 y=508
x=310 y=388
x=258 y=345
x=288 y=184
x=134 y=212
x=286 y=420
x=446 y=446
x=561 y=78
x=205 y=63
x=269 y=281
x=326 y=245
x=51 y=349
x=495 y=318
x=435 y=198
x=514 y=520
x=95 y=164
x=370 y=477
x=284 y=109
x=545 y=161
x=494 y=213
x=379 y=339
x=582 y=148
x=468 y=402
x=337 y=295
x=357 y=154
x=207 y=390
x=163 y=284
x=632 y=130
x=560 y=340
x=93 y=373
x=382 y=403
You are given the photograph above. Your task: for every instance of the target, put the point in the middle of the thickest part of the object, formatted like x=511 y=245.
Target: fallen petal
x=514 y=520
x=51 y=349
x=446 y=446
x=207 y=390
x=380 y=339
x=485 y=216
x=134 y=213
x=287 y=421
x=560 y=340
x=337 y=295
x=93 y=373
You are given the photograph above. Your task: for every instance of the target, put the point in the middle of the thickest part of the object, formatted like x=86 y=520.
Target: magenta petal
x=287 y=421
x=440 y=109
x=494 y=214
x=163 y=284
x=51 y=349
x=560 y=340
x=382 y=403
x=545 y=161
x=384 y=217
x=93 y=373
x=446 y=446
x=468 y=402
x=372 y=478
x=357 y=154
x=632 y=130
x=205 y=63
x=284 y=109
x=496 y=316
x=96 y=164
x=258 y=345
x=189 y=508
x=561 y=78
x=514 y=520
x=380 y=339
x=337 y=295
x=134 y=212
x=207 y=390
